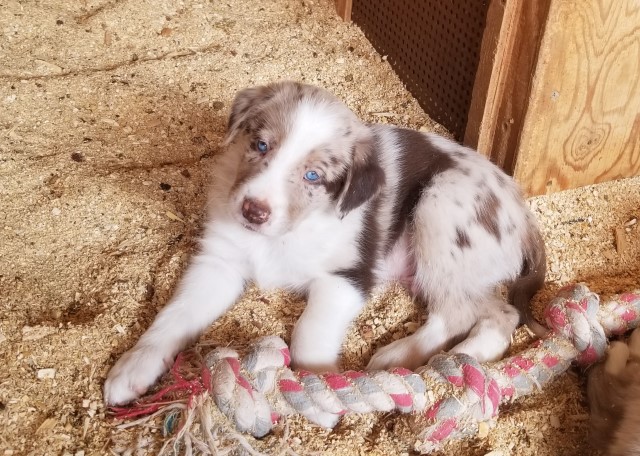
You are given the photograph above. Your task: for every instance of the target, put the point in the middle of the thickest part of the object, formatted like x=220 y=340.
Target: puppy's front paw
x=401 y=353
x=313 y=360
x=133 y=374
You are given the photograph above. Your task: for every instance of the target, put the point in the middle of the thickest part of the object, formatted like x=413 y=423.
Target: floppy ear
x=364 y=177
x=243 y=104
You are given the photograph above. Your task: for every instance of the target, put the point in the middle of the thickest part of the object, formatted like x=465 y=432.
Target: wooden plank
x=507 y=94
x=583 y=124
x=490 y=52
x=343 y=8
x=499 y=82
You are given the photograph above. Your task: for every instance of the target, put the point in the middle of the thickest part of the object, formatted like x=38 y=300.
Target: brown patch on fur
x=359 y=183
x=335 y=187
x=361 y=275
x=487 y=213
x=462 y=239
x=420 y=162
x=364 y=177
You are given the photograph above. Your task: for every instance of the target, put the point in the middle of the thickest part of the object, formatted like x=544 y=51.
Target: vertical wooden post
x=500 y=101
x=343 y=8
x=491 y=53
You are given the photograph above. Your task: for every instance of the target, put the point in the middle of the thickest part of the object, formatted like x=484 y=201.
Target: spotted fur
x=389 y=204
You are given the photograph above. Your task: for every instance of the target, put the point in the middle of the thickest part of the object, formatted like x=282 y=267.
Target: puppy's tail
x=530 y=280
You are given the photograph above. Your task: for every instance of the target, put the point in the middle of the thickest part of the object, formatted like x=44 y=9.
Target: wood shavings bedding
x=108 y=126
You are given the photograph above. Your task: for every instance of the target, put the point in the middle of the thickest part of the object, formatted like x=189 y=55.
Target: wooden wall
x=583 y=120
x=502 y=88
x=556 y=100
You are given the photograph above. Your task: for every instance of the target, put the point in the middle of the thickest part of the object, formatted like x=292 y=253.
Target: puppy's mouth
x=260 y=229
x=249 y=227
x=246 y=224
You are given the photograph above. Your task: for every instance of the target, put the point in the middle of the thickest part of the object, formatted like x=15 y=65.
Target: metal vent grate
x=434 y=46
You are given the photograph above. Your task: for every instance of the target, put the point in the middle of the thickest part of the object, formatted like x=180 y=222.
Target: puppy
x=307 y=197
x=614 y=399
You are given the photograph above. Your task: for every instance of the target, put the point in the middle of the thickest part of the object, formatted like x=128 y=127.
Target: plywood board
x=583 y=121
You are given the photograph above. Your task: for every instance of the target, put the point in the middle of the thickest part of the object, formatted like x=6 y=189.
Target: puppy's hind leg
x=450 y=317
x=413 y=351
x=455 y=312
x=490 y=336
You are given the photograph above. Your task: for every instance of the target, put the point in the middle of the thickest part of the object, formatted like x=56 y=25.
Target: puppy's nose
x=255 y=211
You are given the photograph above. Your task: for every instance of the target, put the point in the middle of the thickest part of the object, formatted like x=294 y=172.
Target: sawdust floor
x=111 y=113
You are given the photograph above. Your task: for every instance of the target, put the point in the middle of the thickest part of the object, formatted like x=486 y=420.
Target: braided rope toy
x=447 y=398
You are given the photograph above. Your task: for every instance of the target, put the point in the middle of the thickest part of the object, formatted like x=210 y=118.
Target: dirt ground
x=111 y=115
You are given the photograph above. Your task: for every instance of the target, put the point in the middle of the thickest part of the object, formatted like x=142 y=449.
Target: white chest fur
x=318 y=245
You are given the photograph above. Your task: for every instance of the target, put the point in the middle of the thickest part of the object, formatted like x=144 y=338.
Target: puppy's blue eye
x=262 y=146
x=311 y=176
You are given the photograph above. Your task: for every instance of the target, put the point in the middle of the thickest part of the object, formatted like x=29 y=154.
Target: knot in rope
x=239 y=388
x=477 y=397
x=573 y=315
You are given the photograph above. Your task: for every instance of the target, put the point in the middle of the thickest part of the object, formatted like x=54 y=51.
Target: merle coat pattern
x=309 y=198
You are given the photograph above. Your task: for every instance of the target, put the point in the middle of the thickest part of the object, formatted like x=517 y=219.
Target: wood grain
x=583 y=120
x=509 y=91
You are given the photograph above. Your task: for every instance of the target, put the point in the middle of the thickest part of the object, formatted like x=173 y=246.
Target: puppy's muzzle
x=256 y=212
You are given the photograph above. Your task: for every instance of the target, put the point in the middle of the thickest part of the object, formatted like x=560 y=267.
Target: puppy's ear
x=364 y=177
x=243 y=105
